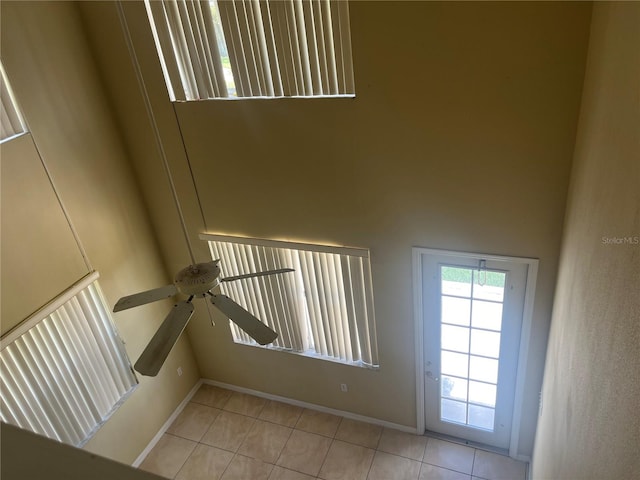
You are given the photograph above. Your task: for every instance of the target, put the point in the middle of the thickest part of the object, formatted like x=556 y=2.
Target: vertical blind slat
x=262 y=53
x=350 y=308
x=238 y=51
x=324 y=289
x=331 y=54
x=179 y=42
x=270 y=43
x=311 y=295
x=312 y=47
x=170 y=59
x=214 y=52
x=247 y=42
x=342 y=43
x=303 y=47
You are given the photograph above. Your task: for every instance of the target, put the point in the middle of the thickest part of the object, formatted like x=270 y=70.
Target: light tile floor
x=228 y=435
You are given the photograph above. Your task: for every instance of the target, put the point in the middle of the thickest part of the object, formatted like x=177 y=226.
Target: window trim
x=11 y=111
x=36 y=317
x=309 y=247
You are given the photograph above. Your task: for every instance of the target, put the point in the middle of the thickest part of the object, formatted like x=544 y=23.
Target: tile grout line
x=333 y=437
x=473 y=464
x=185 y=460
x=282 y=450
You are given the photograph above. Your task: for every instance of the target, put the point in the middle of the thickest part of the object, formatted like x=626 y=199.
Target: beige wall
x=45 y=54
x=460 y=137
x=590 y=426
x=31 y=275
x=29 y=456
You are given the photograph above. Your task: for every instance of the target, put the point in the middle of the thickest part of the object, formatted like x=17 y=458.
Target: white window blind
x=253 y=48
x=324 y=308
x=11 y=122
x=67 y=373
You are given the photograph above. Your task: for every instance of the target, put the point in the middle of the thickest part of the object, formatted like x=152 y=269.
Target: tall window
x=11 y=122
x=64 y=370
x=253 y=48
x=323 y=309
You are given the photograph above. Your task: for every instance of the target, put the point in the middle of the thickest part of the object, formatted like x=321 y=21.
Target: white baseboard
x=312 y=406
x=290 y=401
x=166 y=425
x=268 y=396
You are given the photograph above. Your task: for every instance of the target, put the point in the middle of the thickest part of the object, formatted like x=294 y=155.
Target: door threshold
x=468 y=443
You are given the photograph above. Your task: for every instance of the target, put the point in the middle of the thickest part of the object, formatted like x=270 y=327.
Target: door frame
x=525 y=333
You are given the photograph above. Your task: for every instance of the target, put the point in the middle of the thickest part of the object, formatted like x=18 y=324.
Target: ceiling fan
x=196 y=280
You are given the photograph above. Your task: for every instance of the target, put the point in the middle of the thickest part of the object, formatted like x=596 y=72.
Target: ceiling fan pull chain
x=213 y=323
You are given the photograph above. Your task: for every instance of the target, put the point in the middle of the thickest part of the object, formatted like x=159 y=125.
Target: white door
x=473 y=310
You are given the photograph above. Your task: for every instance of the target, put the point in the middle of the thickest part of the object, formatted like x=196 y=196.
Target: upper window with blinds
x=64 y=370
x=12 y=123
x=253 y=48
x=323 y=309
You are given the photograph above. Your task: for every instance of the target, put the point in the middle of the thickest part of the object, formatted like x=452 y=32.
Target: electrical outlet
x=179 y=371
x=343 y=387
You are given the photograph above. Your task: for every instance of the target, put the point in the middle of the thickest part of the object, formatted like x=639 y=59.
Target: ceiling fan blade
x=164 y=339
x=245 y=320
x=257 y=274
x=143 y=298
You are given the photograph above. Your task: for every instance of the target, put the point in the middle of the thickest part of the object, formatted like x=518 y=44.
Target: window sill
x=311 y=354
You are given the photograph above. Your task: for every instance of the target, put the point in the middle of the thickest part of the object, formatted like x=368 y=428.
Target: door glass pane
x=483 y=393
x=477 y=343
x=487 y=315
x=455 y=364
x=456 y=281
x=456 y=310
x=453 y=387
x=470 y=321
x=481 y=417
x=488 y=285
x=485 y=343
x=453 y=411
x=483 y=369
x=455 y=338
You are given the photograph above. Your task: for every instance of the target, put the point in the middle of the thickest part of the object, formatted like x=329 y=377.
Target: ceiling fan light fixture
x=198 y=279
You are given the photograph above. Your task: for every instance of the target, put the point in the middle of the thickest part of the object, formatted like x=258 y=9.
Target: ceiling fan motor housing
x=198 y=279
